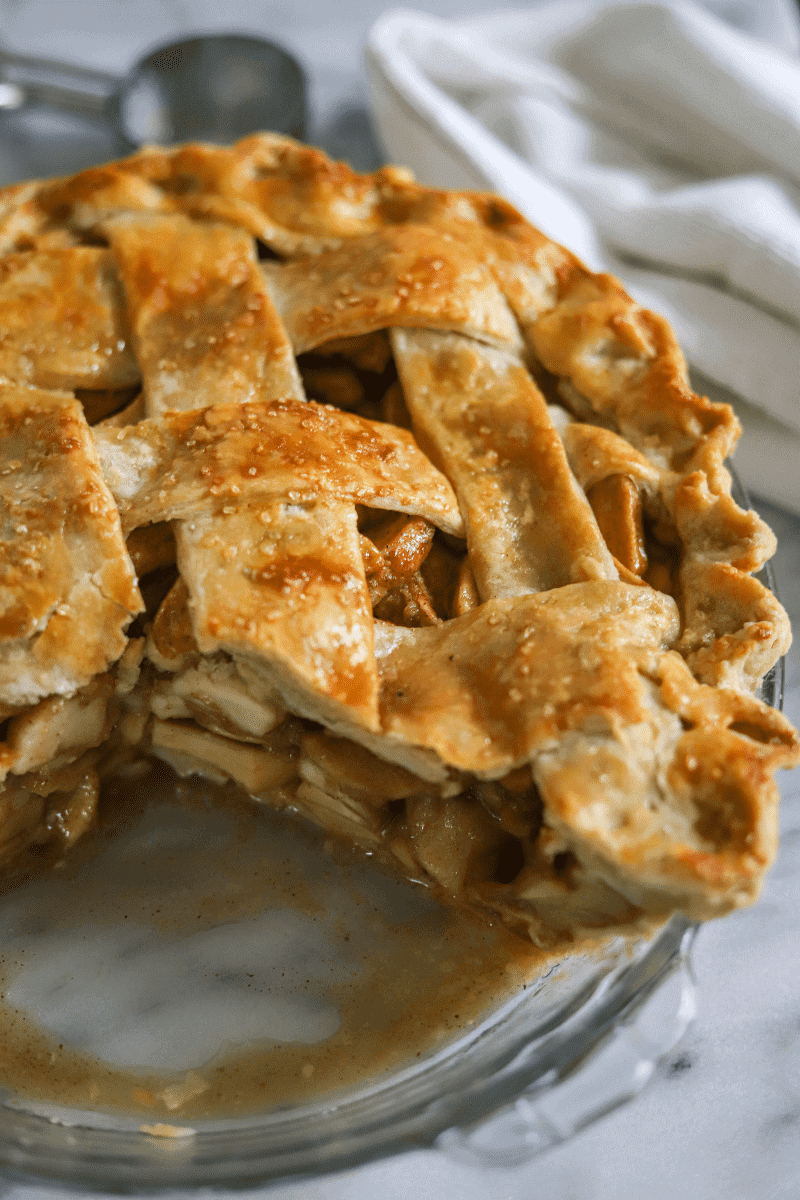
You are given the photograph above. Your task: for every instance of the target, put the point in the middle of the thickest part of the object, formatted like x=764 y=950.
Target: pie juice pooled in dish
x=199 y=956
x=375 y=501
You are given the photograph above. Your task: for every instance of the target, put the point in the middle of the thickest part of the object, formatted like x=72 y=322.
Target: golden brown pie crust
x=434 y=542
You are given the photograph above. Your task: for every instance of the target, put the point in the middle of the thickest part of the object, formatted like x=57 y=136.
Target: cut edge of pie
x=374 y=500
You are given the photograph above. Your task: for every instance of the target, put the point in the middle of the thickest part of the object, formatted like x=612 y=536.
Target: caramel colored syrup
x=200 y=957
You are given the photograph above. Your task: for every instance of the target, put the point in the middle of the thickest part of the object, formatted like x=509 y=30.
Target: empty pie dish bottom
x=128 y=986
x=106 y=1002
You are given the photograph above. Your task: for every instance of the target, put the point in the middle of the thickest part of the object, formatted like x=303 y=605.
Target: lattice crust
x=487 y=609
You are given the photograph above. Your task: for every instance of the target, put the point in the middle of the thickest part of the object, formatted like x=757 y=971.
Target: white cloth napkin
x=654 y=140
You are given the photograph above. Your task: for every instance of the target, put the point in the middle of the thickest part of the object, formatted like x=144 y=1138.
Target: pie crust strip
x=63 y=322
x=167 y=468
x=204 y=327
x=67 y=586
x=405 y=275
x=482 y=418
x=282 y=585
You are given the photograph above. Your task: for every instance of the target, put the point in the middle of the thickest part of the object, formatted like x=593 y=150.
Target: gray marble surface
x=721 y=1121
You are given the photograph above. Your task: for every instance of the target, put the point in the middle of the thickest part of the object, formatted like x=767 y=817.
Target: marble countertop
x=721 y=1119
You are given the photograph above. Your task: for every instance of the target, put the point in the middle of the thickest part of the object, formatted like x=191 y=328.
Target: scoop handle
x=26 y=79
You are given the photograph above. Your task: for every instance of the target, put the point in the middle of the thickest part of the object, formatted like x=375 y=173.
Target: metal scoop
x=215 y=88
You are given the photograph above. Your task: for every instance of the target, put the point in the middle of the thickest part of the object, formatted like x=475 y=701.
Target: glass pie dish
x=586 y=1038
x=582 y=1038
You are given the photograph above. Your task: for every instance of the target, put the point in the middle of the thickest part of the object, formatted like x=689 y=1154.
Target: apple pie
x=374 y=500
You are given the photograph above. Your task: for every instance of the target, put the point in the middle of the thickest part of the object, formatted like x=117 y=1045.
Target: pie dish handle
x=573 y=1094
